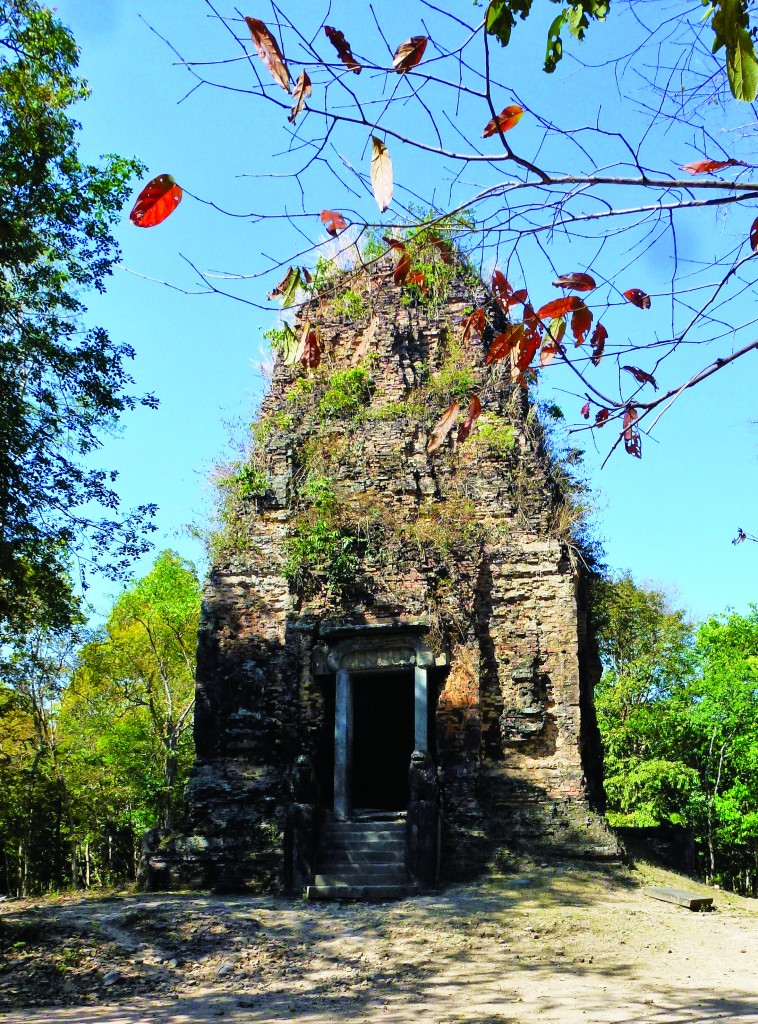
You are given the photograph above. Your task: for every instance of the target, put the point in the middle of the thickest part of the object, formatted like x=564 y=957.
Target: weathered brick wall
x=473 y=541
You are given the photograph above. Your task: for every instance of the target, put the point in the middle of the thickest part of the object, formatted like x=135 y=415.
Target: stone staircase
x=362 y=858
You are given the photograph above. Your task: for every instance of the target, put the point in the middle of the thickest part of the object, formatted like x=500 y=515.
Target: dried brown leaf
x=302 y=92
x=473 y=413
x=381 y=173
x=576 y=282
x=342 y=46
x=409 y=53
x=442 y=428
x=269 y=52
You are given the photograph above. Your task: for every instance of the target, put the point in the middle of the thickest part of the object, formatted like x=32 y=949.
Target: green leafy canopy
x=729 y=19
x=501 y=15
x=62 y=382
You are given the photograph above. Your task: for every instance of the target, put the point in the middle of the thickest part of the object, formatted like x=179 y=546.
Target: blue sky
x=669 y=517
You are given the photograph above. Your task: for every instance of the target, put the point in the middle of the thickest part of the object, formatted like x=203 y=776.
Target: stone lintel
x=376 y=647
x=336 y=629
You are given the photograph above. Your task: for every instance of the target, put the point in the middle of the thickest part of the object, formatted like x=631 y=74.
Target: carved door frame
x=364 y=654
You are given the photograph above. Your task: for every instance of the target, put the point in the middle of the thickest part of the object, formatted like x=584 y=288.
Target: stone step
x=359 y=892
x=382 y=874
x=367 y=835
x=364 y=828
x=348 y=855
x=369 y=814
x=362 y=845
x=361 y=858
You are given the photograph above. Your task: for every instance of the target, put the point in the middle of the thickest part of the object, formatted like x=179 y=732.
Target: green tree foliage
x=725 y=712
x=95 y=743
x=730 y=22
x=61 y=383
x=144 y=663
x=36 y=812
x=647 y=652
x=678 y=713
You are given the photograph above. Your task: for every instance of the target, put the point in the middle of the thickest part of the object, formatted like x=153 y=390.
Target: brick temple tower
x=371 y=604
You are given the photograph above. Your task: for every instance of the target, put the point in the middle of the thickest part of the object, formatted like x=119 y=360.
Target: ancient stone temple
x=394 y=678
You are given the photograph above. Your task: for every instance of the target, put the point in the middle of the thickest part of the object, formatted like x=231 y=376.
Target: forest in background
x=96 y=736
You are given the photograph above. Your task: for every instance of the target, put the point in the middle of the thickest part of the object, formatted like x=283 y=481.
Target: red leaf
x=632 y=440
x=526 y=351
x=514 y=299
x=342 y=46
x=409 y=53
x=637 y=298
x=506 y=119
x=157 y=200
x=598 y=340
x=501 y=289
x=473 y=326
x=581 y=321
x=577 y=282
x=503 y=344
x=311 y=355
x=302 y=92
x=708 y=166
x=531 y=320
x=640 y=376
x=754 y=235
x=402 y=269
x=417 y=278
x=560 y=307
x=442 y=428
x=269 y=52
x=504 y=293
x=586 y=411
x=601 y=416
x=394 y=243
x=473 y=413
x=333 y=221
x=518 y=298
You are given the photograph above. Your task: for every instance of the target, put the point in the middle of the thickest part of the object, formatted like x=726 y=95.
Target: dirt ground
x=562 y=943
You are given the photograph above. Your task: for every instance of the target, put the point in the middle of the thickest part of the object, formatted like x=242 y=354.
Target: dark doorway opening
x=383 y=738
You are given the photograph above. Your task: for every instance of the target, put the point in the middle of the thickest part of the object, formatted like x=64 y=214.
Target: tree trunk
x=74 y=865
x=171 y=769
x=21 y=869
x=711 y=853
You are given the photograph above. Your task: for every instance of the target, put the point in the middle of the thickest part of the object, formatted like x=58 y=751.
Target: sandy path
x=561 y=945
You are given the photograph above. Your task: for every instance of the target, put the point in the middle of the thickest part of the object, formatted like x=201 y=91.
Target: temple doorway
x=383 y=738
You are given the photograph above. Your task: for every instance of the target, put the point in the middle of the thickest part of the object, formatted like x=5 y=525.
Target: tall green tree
x=37 y=813
x=95 y=740
x=725 y=713
x=642 y=701
x=62 y=383
x=144 y=664
x=678 y=714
